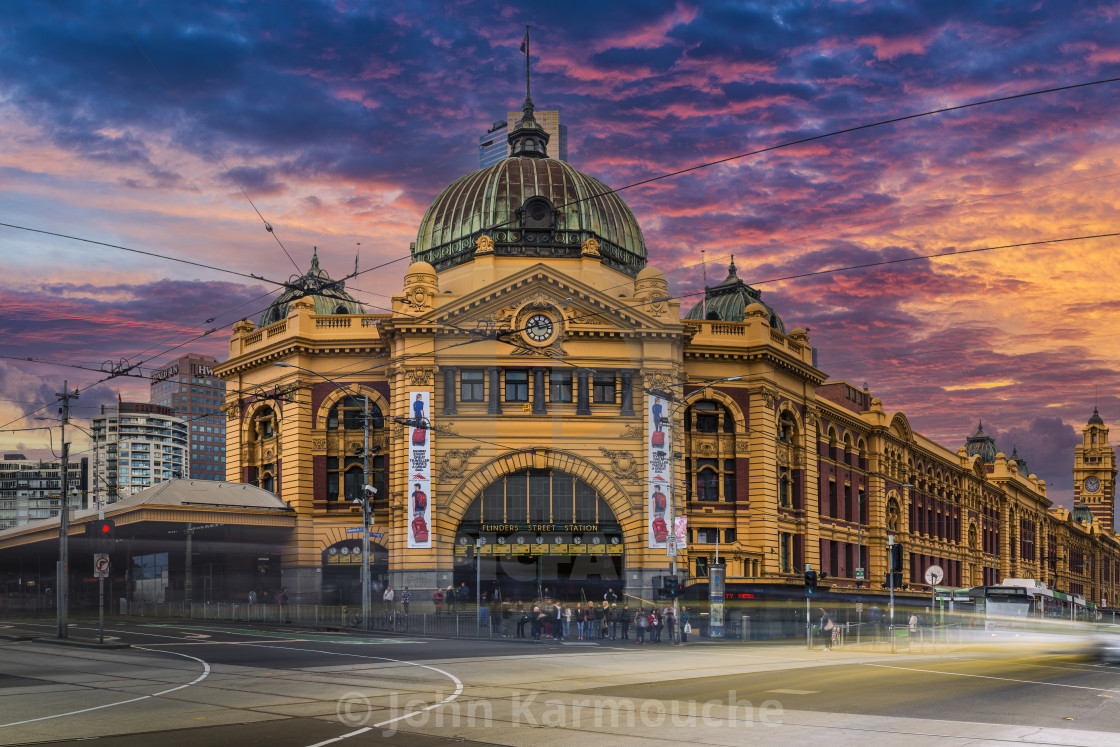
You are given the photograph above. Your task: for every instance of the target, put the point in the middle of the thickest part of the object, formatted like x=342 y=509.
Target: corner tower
x=1094 y=471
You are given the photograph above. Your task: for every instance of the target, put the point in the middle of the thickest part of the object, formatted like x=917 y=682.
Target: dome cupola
x=983 y=444
x=529 y=205
x=730 y=300
x=329 y=296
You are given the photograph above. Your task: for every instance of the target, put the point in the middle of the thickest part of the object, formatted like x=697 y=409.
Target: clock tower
x=1094 y=472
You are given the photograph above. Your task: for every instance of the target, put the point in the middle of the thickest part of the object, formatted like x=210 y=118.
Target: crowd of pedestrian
x=547 y=618
x=590 y=621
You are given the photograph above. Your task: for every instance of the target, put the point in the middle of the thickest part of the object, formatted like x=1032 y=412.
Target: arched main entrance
x=342 y=569
x=537 y=533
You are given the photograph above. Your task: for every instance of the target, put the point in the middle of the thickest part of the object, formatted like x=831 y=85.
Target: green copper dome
x=729 y=300
x=529 y=205
x=328 y=295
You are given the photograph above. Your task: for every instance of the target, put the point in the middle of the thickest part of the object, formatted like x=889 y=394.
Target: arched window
x=709 y=416
x=545 y=496
x=267 y=481
x=340 y=309
x=350 y=410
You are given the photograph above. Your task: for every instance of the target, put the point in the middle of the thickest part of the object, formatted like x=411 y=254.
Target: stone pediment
x=506 y=304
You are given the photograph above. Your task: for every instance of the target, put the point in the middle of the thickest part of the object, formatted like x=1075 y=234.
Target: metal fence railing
x=461 y=624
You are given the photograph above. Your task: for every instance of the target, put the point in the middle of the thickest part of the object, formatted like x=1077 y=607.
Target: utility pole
x=367 y=608
x=62 y=573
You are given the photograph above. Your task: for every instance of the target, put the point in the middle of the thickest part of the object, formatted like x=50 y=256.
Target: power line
x=140 y=251
x=206 y=141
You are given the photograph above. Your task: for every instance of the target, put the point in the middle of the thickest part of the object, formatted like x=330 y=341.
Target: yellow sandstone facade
x=538 y=337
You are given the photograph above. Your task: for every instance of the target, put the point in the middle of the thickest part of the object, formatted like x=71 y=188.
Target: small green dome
x=729 y=301
x=329 y=296
x=983 y=444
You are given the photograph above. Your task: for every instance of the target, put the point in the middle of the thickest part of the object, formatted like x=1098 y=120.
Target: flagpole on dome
x=525 y=49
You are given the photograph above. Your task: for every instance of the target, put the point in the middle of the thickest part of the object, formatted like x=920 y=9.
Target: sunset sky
x=151 y=125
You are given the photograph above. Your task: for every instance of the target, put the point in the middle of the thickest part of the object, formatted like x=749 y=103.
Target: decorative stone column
x=539 y=407
x=495 y=400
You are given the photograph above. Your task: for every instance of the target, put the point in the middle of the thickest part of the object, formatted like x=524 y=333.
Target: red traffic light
x=100 y=529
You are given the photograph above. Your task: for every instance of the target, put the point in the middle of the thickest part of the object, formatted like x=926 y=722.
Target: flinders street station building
x=544 y=415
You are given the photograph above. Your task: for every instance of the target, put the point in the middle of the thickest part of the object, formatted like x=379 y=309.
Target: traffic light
x=670 y=586
x=896 y=557
x=810 y=582
x=103 y=529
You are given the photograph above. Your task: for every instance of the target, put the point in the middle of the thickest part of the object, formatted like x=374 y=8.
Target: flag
x=525 y=43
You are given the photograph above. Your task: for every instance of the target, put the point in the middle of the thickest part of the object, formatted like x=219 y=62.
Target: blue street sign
x=358 y=530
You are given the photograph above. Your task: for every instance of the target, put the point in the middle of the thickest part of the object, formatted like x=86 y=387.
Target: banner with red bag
x=419 y=472
x=658 y=487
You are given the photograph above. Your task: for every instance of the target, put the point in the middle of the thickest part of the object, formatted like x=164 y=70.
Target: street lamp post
x=676 y=403
x=368 y=491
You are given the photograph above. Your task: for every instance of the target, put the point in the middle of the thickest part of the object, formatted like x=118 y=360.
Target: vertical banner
x=660 y=452
x=419 y=473
x=680 y=528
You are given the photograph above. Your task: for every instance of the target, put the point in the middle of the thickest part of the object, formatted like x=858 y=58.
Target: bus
x=1019 y=603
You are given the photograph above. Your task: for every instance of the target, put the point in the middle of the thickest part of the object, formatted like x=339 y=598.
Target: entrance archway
x=540 y=533
x=342 y=571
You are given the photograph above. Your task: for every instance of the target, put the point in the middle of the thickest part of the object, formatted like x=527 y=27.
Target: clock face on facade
x=539 y=328
x=1092 y=484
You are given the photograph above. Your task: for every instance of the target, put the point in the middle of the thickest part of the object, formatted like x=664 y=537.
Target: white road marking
x=344 y=736
x=795 y=692
x=205 y=673
x=445 y=701
x=990 y=677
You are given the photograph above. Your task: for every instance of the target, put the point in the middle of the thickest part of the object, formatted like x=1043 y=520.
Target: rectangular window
x=832 y=508
x=540 y=489
x=603 y=388
x=563 y=486
x=785 y=552
x=728 y=536
x=517 y=506
x=560 y=386
x=472 y=386
x=517 y=386
x=493 y=503
x=585 y=502
x=707 y=422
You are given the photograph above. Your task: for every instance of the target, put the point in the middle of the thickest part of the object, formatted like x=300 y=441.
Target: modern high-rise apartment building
x=137 y=445
x=189 y=388
x=31 y=489
x=493 y=145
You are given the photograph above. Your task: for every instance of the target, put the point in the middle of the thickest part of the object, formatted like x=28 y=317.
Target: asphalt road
x=223 y=684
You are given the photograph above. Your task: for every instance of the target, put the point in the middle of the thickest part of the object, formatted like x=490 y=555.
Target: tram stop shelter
x=182 y=540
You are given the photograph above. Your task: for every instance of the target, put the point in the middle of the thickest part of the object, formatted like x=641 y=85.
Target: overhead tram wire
x=696 y=167
x=834 y=133
x=250 y=276
x=895 y=216
x=809 y=139
x=879 y=263
x=206 y=141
